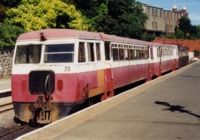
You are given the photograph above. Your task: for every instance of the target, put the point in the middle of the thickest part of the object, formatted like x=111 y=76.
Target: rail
x=13 y=130
x=5 y=101
x=6 y=107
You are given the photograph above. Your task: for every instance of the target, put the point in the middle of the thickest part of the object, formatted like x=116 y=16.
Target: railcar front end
x=44 y=84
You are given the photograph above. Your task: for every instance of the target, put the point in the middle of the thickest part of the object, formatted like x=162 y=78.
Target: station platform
x=5 y=85
x=166 y=108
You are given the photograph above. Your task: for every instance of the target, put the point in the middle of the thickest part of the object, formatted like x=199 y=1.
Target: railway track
x=18 y=130
x=6 y=107
x=15 y=130
x=5 y=101
x=9 y=133
x=5 y=93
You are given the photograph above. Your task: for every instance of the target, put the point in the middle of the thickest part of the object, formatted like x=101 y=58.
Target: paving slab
x=5 y=84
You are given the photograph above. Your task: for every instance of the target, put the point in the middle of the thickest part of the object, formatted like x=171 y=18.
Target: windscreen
x=28 y=54
x=59 y=53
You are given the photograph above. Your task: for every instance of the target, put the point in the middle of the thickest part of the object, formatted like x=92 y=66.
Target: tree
x=8 y=35
x=148 y=36
x=196 y=53
x=2 y=12
x=197 y=31
x=5 y=5
x=38 y=14
x=10 y=3
x=119 y=17
x=185 y=26
x=179 y=34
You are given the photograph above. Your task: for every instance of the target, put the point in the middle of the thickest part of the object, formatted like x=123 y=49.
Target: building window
x=147 y=10
x=160 y=13
x=154 y=25
x=156 y=12
x=152 y=12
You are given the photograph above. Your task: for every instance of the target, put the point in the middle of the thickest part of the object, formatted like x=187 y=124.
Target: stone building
x=162 y=21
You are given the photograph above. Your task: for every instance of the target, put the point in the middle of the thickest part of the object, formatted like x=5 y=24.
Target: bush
x=8 y=35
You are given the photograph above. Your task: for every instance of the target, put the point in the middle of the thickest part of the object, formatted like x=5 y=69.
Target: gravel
x=7 y=119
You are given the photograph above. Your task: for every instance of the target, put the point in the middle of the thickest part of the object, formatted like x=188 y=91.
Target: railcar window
x=98 y=52
x=140 y=54
x=81 y=52
x=121 y=54
x=126 y=54
x=90 y=47
x=115 y=53
x=137 y=54
x=146 y=54
x=151 y=52
x=59 y=53
x=107 y=50
x=129 y=54
x=134 y=54
x=28 y=54
x=159 y=52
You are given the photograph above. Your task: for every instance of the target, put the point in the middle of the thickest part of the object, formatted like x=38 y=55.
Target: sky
x=192 y=6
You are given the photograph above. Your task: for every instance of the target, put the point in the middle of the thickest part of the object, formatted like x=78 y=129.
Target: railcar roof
x=160 y=44
x=114 y=38
x=53 y=34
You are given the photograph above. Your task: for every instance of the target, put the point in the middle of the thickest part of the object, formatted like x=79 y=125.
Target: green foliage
x=2 y=12
x=10 y=3
x=185 y=30
x=196 y=53
x=171 y=36
x=148 y=36
x=39 y=14
x=101 y=15
x=119 y=17
x=185 y=26
x=8 y=35
x=5 y=5
x=179 y=34
x=197 y=31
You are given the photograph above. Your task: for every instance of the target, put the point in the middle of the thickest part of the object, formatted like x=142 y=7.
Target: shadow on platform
x=189 y=76
x=176 y=108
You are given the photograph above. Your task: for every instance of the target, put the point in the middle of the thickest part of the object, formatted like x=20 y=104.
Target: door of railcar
x=97 y=78
x=160 y=60
x=150 y=63
x=108 y=75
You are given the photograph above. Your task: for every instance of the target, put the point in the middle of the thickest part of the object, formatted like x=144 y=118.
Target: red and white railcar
x=55 y=70
x=164 y=58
